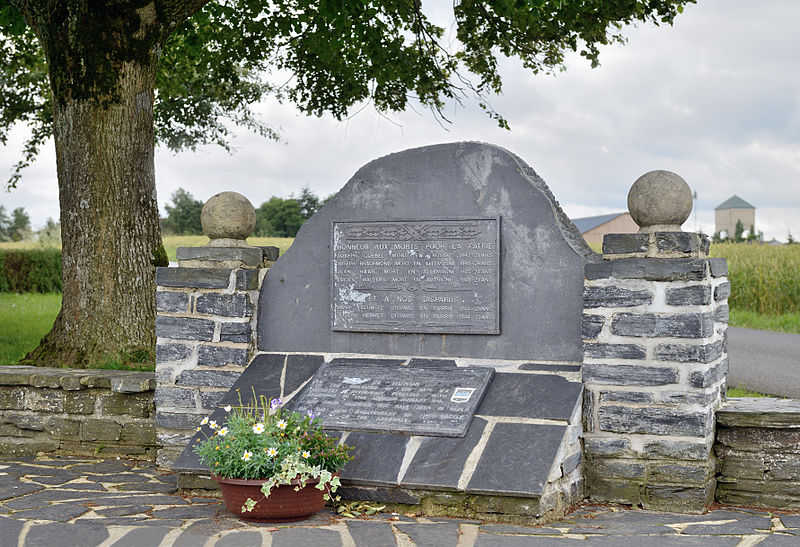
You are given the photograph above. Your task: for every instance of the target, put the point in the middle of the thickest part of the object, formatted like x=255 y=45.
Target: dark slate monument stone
x=416 y=401
x=315 y=299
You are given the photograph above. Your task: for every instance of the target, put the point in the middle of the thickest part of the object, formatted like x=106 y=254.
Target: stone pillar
x=205 y=322
x=655 y=356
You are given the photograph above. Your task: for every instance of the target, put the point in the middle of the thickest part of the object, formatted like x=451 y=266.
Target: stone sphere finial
x=228 y=218
x=660 y=201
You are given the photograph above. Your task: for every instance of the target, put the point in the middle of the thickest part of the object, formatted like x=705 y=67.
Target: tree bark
x=106 y=178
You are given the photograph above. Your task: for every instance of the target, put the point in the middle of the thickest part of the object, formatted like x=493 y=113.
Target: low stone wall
x=69 y=411
x=758 y=447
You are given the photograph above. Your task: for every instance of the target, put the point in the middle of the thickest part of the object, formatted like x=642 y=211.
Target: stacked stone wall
x=758 y=447
x=205 y=328
x=655 y=362
x=84 y=412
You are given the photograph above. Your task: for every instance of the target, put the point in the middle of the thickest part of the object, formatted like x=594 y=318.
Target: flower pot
x=284 y=504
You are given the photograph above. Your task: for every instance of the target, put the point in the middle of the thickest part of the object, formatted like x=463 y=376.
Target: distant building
x=730 y=211
x=594 y=228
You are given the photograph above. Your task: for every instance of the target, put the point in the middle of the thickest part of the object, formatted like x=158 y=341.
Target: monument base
x=520 y=454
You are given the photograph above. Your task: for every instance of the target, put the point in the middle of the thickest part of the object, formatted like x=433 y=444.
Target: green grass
x=787 y=322
x=740 y=391
x=24 y=320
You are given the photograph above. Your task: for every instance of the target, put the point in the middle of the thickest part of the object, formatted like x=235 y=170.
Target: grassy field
x=24 y=319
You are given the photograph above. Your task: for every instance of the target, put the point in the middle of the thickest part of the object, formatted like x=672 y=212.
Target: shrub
x=30 y=270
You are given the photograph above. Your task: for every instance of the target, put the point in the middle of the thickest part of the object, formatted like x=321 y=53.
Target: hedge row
x=30 y=270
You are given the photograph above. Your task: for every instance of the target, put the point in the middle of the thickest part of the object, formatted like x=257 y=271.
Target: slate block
x=366 y=361
x=550 y=367
x=435 y=363
x=240 y=539
x=684 y=353
x=300 y=368
x=212 y=378
x=629 y=375
x=719 y=267
x=722 y=291
x=678 y=449
x=625 y=243
x=681 y=242
x=626 y=397
x=80 y=535
x=292 y=537
x=530 y=396
x=601 y=446
x=649 y=269
x=655 y=420
x=212 y=399
x=174 y=397
x=249 y=256
x=694 y=295
x=178 y=420
x=571 y=463
x=234 y=332
x=175 y=302
x=10 y=529
x=439 y=461
x=376 y=457
x=722 y=314
x=219 y=356
x=651 y=325
x=367 y=533
x=613 y=351
x=227 y=305
x=610 y=296
x=247 y=280
x=184 y=328
x=195 y=278
x=151 y=535
x=517 y=459
x=591 y=325
x=172 y=352
x=709 y=375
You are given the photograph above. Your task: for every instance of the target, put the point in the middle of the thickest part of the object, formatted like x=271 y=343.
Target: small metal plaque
x=420 y=276
x=416 y=401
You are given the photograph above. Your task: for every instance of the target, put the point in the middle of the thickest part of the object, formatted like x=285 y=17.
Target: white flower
x=306 y=454
x=227 y=408
x=281 y=424
x=205 y=421
x=247 y=455
x=258 y=429
x=212 y=424
x=223 y=431
x=272 y=452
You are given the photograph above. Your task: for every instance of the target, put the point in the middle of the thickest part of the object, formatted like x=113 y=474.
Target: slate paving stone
x=153 y=499
x=84 y=486
x=436 y=363
x=42 y=498
x=371 y=533
x=431 y=535
x=508 y=453
x=300 y=368
x=550 y=367
x=169 y=478
x=59 y=512
x=518 y=530
x=293 y=537
x=123 y=511
x=240 y=539
x=780 y=540
x=104 y=467
x=54 y=480
x=11 y=488
x=142 y=536
x=78 y=534
x=198 y=532
x=439 y=461
x=10 y=529
x=623 y=522
x=150 y=487
x=530 y=396
x=114 y=521
x=189 y=512
x=118 y=477
x=746 y=525
x=791 y=521
x=366 y=361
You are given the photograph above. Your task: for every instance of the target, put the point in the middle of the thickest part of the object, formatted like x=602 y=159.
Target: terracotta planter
x=282 y=505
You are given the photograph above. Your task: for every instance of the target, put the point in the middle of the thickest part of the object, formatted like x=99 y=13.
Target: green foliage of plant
x=34 y=270
x=764 y=278
x=741 y=391
x=786 y=322
x=262 y=440
x=24 y=319
x=279 y=217
x=183 y=215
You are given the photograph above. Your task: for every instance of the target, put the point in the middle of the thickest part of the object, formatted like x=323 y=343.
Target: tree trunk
x=109 y=222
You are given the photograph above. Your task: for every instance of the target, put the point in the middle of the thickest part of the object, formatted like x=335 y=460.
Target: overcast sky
x=715 y=98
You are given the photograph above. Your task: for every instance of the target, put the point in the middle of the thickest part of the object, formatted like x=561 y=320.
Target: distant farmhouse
x=594 y=228
x=732 y=210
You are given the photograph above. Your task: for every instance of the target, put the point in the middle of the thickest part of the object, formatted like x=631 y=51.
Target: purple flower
x=275 y=403
x=310 y=414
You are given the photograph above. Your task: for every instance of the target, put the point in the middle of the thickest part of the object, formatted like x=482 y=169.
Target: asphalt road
x=764 y=361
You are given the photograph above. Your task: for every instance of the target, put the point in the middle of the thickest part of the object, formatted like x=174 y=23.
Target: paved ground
x=83 y=502
x=765 y=361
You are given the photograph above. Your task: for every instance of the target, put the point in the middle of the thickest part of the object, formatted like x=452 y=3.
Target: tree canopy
x=111 y=79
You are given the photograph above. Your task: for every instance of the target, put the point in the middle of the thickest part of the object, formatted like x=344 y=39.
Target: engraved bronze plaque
x=418 y=276
x=416 y=401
